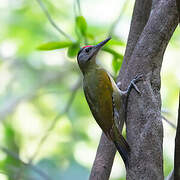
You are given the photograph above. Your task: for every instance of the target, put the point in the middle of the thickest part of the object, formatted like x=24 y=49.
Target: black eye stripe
x=87 y=50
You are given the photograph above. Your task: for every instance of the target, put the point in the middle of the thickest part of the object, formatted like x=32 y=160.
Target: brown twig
x=169 y=122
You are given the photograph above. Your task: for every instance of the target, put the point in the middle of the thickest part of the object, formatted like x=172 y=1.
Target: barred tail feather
x=123 y=149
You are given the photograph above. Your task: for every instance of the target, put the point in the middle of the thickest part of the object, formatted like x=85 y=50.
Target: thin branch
x=79 y=7
x=51 y=127
x=78 y=12
x=177 y=148
x=114 y=24
x=52 y=21
x=169 y=122
x=170 y=176
x=33 y=167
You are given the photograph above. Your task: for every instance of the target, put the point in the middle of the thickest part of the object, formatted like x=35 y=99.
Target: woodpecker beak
x=101 y=44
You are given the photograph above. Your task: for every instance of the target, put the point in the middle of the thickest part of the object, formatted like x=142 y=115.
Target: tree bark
x=147 y=41
x=178 y=7
x=177 y=148
x=104 y=159
x=144 y=126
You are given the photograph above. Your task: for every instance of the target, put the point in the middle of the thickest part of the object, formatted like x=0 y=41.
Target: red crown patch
x=87 y=46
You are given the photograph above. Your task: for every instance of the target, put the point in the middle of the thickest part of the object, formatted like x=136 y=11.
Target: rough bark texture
x=103 y=162
x=144 y=126
x=178 y=7
x=143 y=121
x=177 y=148
x=147 y=41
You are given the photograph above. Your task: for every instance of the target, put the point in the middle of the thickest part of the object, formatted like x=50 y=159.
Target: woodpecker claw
x=135 y=87
x=133 y=84
x=138 y=77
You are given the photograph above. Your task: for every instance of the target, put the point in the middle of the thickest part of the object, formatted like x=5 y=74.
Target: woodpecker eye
x=87 y=49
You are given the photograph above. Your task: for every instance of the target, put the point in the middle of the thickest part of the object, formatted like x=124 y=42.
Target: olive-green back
x=98 y=91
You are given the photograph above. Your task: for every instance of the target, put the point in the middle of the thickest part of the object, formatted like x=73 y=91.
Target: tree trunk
x=152 y=26
x=177 y=148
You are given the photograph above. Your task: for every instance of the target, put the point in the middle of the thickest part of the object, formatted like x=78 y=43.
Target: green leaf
x=54 y=45
x=116 y=42
x=116 y=63
x=90 y=36
x=81 y=24
x=73 y=50
x=113 y=52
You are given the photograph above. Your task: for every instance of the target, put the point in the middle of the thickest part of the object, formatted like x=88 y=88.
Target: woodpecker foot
x=133 y=84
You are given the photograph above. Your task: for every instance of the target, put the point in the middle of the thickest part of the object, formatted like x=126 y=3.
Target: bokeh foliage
x=47 y=131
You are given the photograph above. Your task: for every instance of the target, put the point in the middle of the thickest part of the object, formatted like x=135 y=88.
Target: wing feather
x=99 y=97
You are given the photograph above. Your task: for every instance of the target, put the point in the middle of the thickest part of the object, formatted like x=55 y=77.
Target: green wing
x=118 y=105
x=105 y=100
x=99 y=98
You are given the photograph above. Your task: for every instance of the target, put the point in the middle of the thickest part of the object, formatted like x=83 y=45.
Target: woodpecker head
x=87 y=54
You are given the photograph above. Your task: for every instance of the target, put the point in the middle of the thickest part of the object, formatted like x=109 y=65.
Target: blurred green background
x=46 y=129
